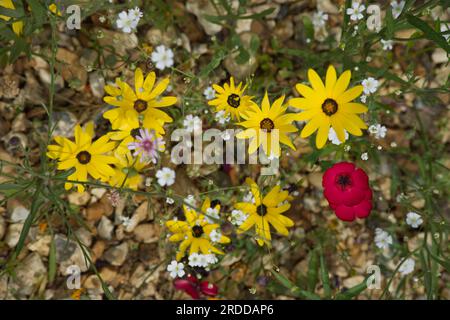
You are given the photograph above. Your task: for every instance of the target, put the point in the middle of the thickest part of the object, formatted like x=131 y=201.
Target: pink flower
x=147 y=146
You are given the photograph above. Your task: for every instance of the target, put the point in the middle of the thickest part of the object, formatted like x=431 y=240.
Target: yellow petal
x=316 y=82
x=342 y=84
x=330 y=80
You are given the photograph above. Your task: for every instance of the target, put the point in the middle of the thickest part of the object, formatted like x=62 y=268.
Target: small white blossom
x=212 y=215
x=135 y=14
x=378 y=131
x=347 y=148
x=363 y=98
x=407 y=266
x=319 y=19
x=387 y=44
x=126 y=23
x=215 y=235
x=194 y=259
x=238 y=217
x=332 y=136
x=170 y=200
x=176 y=269
x=190 y=199
x=365 y=156
x=370 y=85
x=192 y=123
x=222 y=117
x=126 y=221
x=211 y=258
x=166 y=177
x=382 y=239
x=356 y=11
x=162 y=57
x=209 y=93
x=413 y=219
x=397 y=8
x=249 y=198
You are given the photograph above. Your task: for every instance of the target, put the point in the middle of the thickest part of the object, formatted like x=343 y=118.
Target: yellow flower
x=196 y=231
x=54 y=9
x=329 y=104
x=85 y=156
x=16 y=26
x=143 y=103
x=264 y=211
x=231 y=99
x=126 y=171
x=260 y=124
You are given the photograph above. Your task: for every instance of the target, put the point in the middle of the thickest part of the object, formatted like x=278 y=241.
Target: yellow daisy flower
x=261 y=122
x=328 y=105
x=16 y=26
x=143 y=103
x=197 y=231
x=231 y=99
x=126 y=172
x=265 y=211
x=85 y=156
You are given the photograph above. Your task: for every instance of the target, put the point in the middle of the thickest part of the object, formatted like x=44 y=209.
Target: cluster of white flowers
x=407 y=266
x=332 y=136
x=202 y=260
x=212 y=215
x=356 y=11
x=370 y=85
x=397 y=8
x=192 y=123
x=382 y=239
x=209 y=93
x=238 y=217
x=413 y=219
x=319 y=19
x=166 y=177
x=364 y=156
x=190 y=199
x=222 y=117
x=215 y=235
x=378 y=131
x=128 y=21
x=387 y=44
x=162 y=57
x=176 y=269
x=170 y=200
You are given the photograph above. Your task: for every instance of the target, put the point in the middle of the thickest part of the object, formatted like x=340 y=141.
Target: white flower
x=249 y=198
x=211 y=258
x=166 y=177
x=162 y=57
x=212 y=215
x=126 y=221
x=192 y=123
x=370 y=85
x=135 y=14
x=319 y=19
x=170 y=200
x=190 y=200
x=203 y=260
x=356 y=11
x=176 y=269
x=387 y=44
x=445 y=27
x=222 y=117
x=126 y=23
x=382 y=239
x=215 y=235
x=407 y=267
x=238 y=217
x=332 y=136
x=397 y=8
x=209 y=93
x=363 y=98
x=378 y=131
x=194 y=259
x=364 y=156
x=413 y=219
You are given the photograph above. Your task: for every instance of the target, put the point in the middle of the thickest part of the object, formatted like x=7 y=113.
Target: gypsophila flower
x=249 y=198
x=126 y=221
x=363 y=98
x=190 y=199
x=211 y=258
x=170 y=200
x=209 y=93
x=203 y=260
x=166 y=177
x=135 y=14
x=212 y=215
x=364 y=156
x=407 y=267
x=332 y=136
x=222 y=117
x=215 y=235
x=413 y=219
x=192 y=123
x=176 y=269
x=194 y=259
x=319 y=19
x=126 y=23
x=238 y=217
x=356 y=11
x=397 y=8
x=370 y=85
x=162 y=57
x=378 y=131
x=382 y=239
x=387 y=44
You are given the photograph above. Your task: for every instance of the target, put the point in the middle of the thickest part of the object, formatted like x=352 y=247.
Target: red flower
x=192 y=287
x=347 y=191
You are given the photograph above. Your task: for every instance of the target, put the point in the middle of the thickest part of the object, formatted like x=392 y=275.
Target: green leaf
x=243 y=56
x=214 y=63
x=324 y=276
x=353 y=291
x=259 y=15
x=52 y=262
x=428 y=32
x=309 y=28
x=312 y=270
x=296 y=291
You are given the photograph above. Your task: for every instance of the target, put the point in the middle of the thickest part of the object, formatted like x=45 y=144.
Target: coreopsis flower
x=407 y=267
x=413 y=219
x=87 y=157
x=260 y=122
x=176 y=269
x=142 y=104
x=332 y=137
x=16 y=26
x=397 y=8
x=165 y=176
x=147 y=146
x=382 y=239
x=329 y=104
x=193 y=287
x=347 y=190
x=356 y=11
x=194 y=233
x=265 y=211
x=127 y=172
x=162 y=57
x=231 y=99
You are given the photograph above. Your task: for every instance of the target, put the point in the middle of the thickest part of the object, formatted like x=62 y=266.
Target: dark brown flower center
x=234 y=100
x=329 y=107
x=197 y=231
x=83 y=157
x=261 y=210
x=344 y=180
x=267 y=124
x=140 y=105
x=134 y=133
x=214 y=203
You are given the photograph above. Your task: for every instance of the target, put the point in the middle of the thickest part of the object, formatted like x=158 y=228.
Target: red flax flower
x=194 y=288
x=347 y=191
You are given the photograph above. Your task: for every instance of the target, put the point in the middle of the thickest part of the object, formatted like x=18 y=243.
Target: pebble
x=19 y=214
x=41 y=246
x=105 y=228
x=79 y=198
x=146 y=233
x=200 y=8
x=2 y=227
x=30 y=273
x=13 y=234
x=117 y=255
